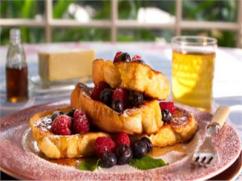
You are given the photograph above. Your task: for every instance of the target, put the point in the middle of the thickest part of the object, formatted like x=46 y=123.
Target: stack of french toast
x=128 y=97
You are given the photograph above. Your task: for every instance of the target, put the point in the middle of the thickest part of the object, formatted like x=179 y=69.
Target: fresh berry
x=136 y=57
x=106 y=96
x=119 y=94
x=104 y=144
x=61 y=125
x=71 y=113
x=117 y=106
x=108 y=159
x=135 y=98
x=133 y=139
x=98 y=89
x=117 y=56
x=122 y=139
x=139 y=149
x=78 y=113
x=124 y=154
x=148 y=143
x=167 y=105
x=55 y=114
x=166 y=115
x=80 y=123
x=123 y=57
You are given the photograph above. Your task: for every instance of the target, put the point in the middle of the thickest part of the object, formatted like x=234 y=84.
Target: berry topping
x=135 y=98
x=103 y=145
x=98 y=89
x=108 y=159
x=119 y=94
x=106 y=96
x=78 y=113
x=148 y=143
x=167 y=105
x=80 y=122
x=122 y=57
x=125 y=57
x=122 y=139
x=55 y=114
x=166 y=115
x=117 y=56
x=136 y=57
x=61 y=125
x=139 y=149
x=118 y=106
x=124 y=154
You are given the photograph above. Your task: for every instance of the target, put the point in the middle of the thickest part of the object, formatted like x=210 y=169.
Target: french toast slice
x=182 y=128
x=145 y=119
x=131 y=75
x=61 y=146
x=138 y=121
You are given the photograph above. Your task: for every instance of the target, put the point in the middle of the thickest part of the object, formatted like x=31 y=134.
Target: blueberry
x=139 y=149
x=135 y=98
x=133 y=138
x=108 y=160
x=117 y=106
x=125 y=57
x=124 y=154
x=106 y=96
x=148 y=143
x=71 y=113
x=55 y=114
x=166 y=115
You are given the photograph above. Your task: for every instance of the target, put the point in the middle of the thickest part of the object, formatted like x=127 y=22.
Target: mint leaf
x=89 y=164
x=147 y=162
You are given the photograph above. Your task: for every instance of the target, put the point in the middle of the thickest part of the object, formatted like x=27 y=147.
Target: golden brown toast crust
x=182 y=127
x=60 y=146
x=146 y=119
x=133 y=75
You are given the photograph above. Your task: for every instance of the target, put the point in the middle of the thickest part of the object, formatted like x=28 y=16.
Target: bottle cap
x=15 y=34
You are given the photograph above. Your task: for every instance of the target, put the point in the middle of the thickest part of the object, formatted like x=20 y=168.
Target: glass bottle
x=16 y=69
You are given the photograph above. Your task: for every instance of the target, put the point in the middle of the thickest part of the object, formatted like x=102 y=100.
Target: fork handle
x=221 y=115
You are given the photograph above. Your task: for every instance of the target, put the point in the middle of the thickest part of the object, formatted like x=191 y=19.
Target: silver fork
x=206 y=154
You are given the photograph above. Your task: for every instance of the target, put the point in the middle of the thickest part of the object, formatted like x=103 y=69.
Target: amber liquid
x=192 y=78
x=17 y=84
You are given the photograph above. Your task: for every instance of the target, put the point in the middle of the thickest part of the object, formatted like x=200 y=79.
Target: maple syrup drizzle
x=157 y=151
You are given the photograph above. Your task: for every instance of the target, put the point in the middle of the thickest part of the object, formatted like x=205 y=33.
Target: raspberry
x=98 y=89
x=122 y=139
x=117 y=56
x=119 y=94
x=136 y=57
x=168 y=105
x=61 y=125
x=77 y=113
x=80 y=122
x=104 y=144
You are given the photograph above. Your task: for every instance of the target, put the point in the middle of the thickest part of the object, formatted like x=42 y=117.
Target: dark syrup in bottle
x=17 y=84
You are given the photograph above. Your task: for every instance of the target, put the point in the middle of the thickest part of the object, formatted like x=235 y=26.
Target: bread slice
x=182 y=128
x=132 y=75
x=60 y=146
x=145 y=119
